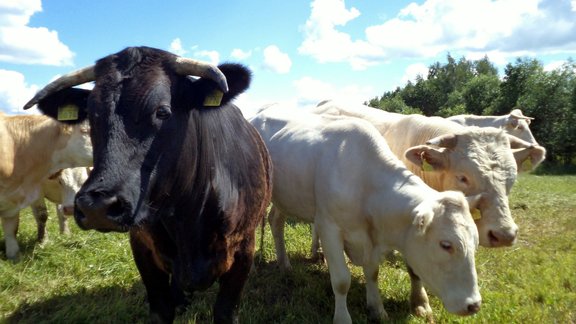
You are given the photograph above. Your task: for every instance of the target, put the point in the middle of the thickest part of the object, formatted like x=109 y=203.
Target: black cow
x=176 y=165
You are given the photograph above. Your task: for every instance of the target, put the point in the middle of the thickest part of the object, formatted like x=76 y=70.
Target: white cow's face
x=76 y=149
x=520 y=127
x=479 y=161
x=441 y=249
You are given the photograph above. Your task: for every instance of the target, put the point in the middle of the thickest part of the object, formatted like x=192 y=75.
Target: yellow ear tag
x=426 y=166
x=476 y=215
x=526 y=165
x=213 y=99
x=68 y=112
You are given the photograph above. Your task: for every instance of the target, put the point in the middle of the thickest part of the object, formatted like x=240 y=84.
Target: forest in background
x=475 y=87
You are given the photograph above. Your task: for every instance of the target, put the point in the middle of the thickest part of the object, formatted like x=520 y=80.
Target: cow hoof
x=13 y=258
x=377 y=316
x=422 y=310
x=318 y=257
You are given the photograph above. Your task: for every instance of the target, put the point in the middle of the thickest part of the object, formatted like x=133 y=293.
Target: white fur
x=340 y=174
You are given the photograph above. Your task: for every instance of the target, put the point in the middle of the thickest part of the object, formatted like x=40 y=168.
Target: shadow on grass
x=303 y=295
x=99 y=305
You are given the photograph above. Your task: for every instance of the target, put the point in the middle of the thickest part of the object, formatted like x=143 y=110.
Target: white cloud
x=22 y=44
x=413 y=71
x=506 y=28
x=554 y=65
x=14 y=91
x=212 y=56
x=176 y=47
x=311 y=91
x=276 y=60
x=239 y=54
x=325 y=43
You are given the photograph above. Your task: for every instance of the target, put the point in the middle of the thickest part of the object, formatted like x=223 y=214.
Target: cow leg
x=231 y=286
x=41 y=215
x=376 y=309
x=10 y=227
x=156 y=281
x=277 y=220
x=315 y=249
x=339 y=273
x=62 y=220
x=419 y=304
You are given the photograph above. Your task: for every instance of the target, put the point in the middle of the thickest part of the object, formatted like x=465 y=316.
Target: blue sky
x=300 y=52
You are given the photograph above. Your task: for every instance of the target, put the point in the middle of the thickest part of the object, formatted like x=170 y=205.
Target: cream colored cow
x=448 y=156
x=340 y=174
x=32 y=147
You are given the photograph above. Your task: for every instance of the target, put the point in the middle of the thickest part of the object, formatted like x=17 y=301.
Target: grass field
x=90 y=277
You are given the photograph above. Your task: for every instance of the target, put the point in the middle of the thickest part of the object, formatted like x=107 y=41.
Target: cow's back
x=316 y=159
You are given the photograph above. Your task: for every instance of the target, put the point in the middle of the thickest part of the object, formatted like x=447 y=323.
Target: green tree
x=480 y=94
x=549 y=97
x=514 y=84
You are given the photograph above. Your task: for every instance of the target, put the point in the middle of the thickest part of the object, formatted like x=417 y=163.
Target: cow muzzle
x=101 y=212
x=497 y=236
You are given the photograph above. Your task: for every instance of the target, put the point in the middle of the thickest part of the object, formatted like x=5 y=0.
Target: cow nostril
x=493 y=239
x=115 y=208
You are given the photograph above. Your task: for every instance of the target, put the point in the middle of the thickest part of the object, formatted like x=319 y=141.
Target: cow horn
x=448 y=141
x=186 y=66
x=66 y=81
x=517 y=113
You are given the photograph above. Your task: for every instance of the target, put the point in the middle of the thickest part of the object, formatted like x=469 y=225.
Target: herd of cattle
x=157 y=149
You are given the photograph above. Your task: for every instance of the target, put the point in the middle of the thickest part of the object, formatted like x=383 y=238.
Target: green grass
x=90 y=277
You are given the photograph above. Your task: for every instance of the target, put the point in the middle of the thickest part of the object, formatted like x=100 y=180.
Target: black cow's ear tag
x=214 y=98
x=68 y=112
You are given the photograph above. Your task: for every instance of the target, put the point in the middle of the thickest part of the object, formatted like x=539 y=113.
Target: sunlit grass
x=90 y=277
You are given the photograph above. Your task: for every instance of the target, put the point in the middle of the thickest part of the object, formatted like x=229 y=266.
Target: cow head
x=141 y=112
x=475 y=161
x=68 y=182
x=440 y=250
x=519 y=125
x=73 y=149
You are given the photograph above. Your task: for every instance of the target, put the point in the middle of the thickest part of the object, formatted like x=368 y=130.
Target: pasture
x=90 y=277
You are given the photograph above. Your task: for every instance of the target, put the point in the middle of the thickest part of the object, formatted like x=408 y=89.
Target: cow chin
x=99 y=223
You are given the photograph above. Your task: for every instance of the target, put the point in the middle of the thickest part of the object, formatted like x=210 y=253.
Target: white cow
x=32 y=147
x=60 y=188
x=448 y=156
x=516 y=124
x=340 y=174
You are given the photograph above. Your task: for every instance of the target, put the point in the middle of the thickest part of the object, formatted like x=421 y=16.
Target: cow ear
x=208 y=94
x=423 y=216
x=68 y=106
x=527 y=159
x=474 y=201
x=512 y=122
x=428 y=158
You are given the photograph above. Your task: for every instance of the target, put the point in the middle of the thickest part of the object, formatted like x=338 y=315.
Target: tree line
x=474 y=87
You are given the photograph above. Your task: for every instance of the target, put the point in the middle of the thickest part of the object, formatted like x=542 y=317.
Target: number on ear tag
x=213 y=99
x=68 y=112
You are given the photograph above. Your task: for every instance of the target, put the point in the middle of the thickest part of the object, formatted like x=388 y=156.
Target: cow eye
x=462 y=179
x=163 y=112
x=446 y=246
